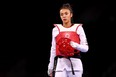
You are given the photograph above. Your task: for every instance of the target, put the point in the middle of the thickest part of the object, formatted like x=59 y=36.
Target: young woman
x=68 y=40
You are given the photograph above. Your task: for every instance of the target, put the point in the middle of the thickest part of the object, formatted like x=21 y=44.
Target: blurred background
x=26 y=31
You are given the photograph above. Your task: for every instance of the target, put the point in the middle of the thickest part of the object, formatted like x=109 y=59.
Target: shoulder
x=78 y=24
x=56 y=27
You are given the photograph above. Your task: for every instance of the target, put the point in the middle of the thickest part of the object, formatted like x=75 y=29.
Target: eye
x=61 y=14
x=66 y=13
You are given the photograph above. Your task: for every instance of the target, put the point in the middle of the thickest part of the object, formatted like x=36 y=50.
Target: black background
x=26 y=36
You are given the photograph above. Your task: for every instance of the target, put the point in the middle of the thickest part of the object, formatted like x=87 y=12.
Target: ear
x=71 y=15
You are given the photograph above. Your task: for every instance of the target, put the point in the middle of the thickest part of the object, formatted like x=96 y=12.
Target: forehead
x=64 y=10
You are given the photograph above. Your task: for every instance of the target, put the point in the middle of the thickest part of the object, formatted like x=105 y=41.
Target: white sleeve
x=53 y=50
x=83 y=46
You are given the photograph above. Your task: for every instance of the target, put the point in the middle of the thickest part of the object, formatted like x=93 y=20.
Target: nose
x=63 y=15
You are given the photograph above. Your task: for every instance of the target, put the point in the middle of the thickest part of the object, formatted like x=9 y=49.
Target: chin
x=65 y=22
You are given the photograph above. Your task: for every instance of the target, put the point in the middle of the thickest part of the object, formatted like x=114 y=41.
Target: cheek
x=68 y=17
x=61 y=17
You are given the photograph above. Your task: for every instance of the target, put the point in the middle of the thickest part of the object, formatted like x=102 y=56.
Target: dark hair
x=67 y=6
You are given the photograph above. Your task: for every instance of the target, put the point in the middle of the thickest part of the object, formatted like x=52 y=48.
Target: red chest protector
x=63 y=47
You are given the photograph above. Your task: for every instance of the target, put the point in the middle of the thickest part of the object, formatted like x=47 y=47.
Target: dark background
x=26 y=28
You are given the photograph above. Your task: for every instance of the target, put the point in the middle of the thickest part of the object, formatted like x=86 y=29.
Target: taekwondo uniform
x=79 y=42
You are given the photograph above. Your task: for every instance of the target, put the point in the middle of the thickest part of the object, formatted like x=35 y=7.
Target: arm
x=52 y=53
x=83 y=46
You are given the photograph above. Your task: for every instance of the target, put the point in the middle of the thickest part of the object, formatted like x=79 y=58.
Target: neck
x=67 y=25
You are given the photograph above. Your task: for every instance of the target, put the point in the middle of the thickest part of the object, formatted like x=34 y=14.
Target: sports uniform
x=66 y=64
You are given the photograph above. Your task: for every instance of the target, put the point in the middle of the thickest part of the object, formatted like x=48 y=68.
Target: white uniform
x=63 y=68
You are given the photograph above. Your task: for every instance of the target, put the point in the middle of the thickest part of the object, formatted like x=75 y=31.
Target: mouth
x=64 y=19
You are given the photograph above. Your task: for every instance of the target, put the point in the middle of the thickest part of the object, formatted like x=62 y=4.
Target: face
x=65 y=15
